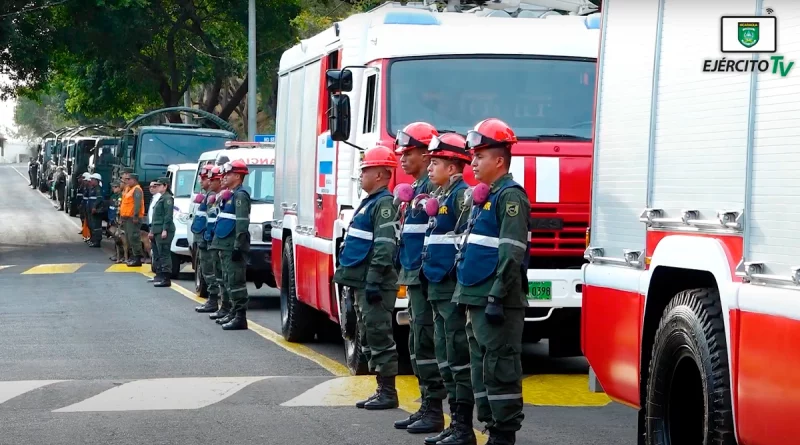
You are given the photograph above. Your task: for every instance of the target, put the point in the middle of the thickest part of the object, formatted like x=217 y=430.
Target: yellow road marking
x=561 y=390
x=124 y=268
x=407 y=386
x=53 y=269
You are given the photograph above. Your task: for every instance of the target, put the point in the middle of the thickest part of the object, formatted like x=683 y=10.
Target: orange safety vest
x=126 y=207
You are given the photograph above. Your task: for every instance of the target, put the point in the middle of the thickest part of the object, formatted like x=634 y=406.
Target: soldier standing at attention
x=60 y=180
x=162 y=231
x=95 y=210
x=198 y=228
x=131 y=211
x=232 y=241
x=366 y=264
x=412 y=144
x=490 y=269
x=217 y=287
x=448 y=157
x=113 y=222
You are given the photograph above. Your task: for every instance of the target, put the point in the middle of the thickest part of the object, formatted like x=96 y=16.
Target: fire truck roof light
x=409 y=18
x=593 y=21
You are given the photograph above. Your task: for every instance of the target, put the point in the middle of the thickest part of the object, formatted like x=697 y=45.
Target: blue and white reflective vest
x=412 y=235
x=87 y=193
x=480 y=255
x=200 y=219
x=439 y=255
x=112 y=211
x=359 y=237
x=226 y=219
x=90 y=198
x=211 y=221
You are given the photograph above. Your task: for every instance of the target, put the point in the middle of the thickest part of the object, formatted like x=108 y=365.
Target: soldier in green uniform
x=114 y=222
x=162 y=231
x=448 y=219
x=200 y=226
x=96 y=210
x=412 y=144
x=491 y=273
x=217 y=284
x=232 y=242
x=366 y=264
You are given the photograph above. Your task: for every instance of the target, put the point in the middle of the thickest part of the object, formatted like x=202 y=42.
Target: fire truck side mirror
x=339 y=117
x=338 y=81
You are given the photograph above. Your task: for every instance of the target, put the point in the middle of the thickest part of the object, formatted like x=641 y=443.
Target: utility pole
x=252 y=107
x=187 y=102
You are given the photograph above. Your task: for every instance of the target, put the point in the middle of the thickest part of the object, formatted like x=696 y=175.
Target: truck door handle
x=319 y=201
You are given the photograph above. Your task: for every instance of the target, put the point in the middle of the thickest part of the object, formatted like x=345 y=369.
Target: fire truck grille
x=560 y=232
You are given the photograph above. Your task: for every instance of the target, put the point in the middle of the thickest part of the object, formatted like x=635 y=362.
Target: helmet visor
x=226 y=168
x=438 y=147
x=404 y=140
x=477 y=140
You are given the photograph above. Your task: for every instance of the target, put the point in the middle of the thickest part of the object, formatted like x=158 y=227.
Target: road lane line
x=163 y=394
x=46 y=269
x=407 y=386
x=9 y=390
x=50 y=201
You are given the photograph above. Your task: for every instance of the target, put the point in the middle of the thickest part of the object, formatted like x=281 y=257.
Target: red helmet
x=490 y=133
x=203 y=172
x=415 y=135
x=215 y=172
x=237 y=166
x=379 y=156
x=449 y=146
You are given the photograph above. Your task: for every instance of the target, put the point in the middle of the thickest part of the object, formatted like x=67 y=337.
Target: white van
x=182 y=179
x=260 y=183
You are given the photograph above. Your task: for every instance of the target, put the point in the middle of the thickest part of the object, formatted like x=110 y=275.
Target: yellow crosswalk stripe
x=124 y=268
x=43 y=269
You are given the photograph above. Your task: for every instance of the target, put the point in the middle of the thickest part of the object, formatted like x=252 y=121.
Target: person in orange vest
x=131 y=211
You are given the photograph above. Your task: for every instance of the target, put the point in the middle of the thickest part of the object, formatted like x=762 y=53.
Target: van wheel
x=200 y=286
x=688 y=392
x=297 y=319
x=348 y=324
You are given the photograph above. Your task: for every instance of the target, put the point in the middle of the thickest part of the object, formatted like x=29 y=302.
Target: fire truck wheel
x=297 y=319
x=688 y=392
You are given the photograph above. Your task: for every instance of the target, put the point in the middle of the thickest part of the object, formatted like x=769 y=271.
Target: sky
x=7 y=127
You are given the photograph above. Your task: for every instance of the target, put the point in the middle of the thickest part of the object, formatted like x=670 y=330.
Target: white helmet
x=86 y=175
x=96 y=176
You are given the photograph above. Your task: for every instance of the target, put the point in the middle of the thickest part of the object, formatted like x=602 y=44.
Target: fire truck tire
x=297 y=319
x=688 y=391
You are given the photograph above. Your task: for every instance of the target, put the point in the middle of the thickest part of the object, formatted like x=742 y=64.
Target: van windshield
x=260 y=183
x=183 y=183
x=163 y=149
x=535 y=96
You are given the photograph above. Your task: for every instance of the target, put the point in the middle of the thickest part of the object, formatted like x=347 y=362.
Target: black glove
x=237 y=255
x=373 y=294
x=494 y=311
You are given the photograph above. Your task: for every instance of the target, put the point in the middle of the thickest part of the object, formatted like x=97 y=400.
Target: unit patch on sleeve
x=512 y=209
x=386 y=213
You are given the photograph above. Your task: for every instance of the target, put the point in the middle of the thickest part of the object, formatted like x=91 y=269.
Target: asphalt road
x=93 y=354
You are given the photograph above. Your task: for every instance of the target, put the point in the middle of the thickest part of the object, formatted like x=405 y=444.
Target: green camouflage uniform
x=162 y=220
x=421 y=332
x=452 y=348
x=234 y=270
x=495 y=350
x=375 y=320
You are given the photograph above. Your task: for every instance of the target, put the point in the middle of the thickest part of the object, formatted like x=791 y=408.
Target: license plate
x=547 y=223
x=540 y=290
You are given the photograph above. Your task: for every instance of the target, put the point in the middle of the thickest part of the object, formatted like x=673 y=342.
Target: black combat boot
x=227 y=318
x=431 y=421
x=134 y=262
x=461 y=432
x=211 y=305
x=237 y=323
x=222 y=312
x=403 y=424
x=162 y=280
x=387 y=397
x=497 y=437
x=361 y=403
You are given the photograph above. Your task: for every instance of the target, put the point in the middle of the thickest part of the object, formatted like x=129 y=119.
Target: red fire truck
x=451 y=69
x=691 y=309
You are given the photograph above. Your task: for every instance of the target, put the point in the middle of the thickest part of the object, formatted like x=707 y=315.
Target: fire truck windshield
x=537 y=97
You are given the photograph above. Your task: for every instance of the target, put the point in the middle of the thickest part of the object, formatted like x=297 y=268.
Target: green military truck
x=151 y=143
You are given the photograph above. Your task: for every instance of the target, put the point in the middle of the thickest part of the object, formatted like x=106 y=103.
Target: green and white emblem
x=748 y=34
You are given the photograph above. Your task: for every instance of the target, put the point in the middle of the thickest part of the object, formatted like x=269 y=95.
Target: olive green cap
x=163 y=181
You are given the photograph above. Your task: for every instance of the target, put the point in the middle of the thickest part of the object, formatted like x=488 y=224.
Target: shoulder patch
x=512 y=208
x=386 y=213
x=238 y=202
